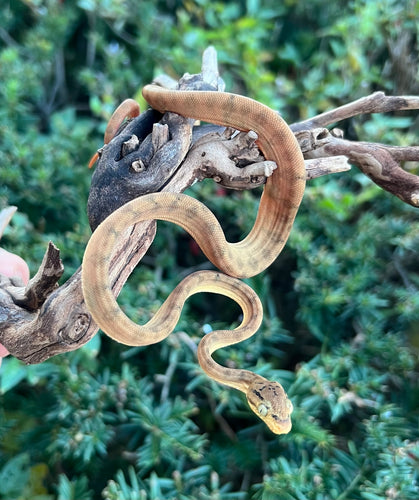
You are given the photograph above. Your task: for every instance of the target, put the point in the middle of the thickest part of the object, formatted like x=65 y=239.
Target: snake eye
x=263 y=410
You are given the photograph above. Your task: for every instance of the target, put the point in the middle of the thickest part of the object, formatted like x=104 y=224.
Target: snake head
x=270 y=403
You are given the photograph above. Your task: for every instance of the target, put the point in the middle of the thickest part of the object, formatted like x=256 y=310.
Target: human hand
x=12 y=266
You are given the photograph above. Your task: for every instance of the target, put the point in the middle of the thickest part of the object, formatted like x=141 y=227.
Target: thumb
x=12 y=266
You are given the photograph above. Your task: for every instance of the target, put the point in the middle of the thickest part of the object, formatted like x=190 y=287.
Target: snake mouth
x=278 y=425
x=281 y=420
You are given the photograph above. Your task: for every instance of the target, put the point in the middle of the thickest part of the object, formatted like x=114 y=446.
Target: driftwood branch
x=42 y=319
x=381 y=163
x=377 y=102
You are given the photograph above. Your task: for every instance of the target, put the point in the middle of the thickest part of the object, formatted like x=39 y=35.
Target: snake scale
x=278 y=206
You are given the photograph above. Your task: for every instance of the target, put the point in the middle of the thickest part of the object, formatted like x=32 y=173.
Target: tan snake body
x=278 y=206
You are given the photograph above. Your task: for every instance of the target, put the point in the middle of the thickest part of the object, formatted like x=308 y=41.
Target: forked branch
x=43 y=320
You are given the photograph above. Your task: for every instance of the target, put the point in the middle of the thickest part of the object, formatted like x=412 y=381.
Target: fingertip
x=13 y=266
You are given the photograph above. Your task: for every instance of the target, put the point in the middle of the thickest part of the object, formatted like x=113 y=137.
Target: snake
x=280 y=200
x=127 y=109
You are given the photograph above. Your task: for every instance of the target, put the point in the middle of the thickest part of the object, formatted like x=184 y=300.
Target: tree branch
x=381 y=163
x=43 y=320
x=377 y=102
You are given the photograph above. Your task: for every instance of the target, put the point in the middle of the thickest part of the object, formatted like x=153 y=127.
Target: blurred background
x=341 y=325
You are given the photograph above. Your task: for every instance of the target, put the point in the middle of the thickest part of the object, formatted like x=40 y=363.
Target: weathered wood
x=43 y=320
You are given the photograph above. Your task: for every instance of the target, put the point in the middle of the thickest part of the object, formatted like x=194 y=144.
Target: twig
x=374 y=160
x=43 y=283
x=377 y=102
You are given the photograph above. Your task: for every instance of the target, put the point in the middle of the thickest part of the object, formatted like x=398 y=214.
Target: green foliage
x=341 y=303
